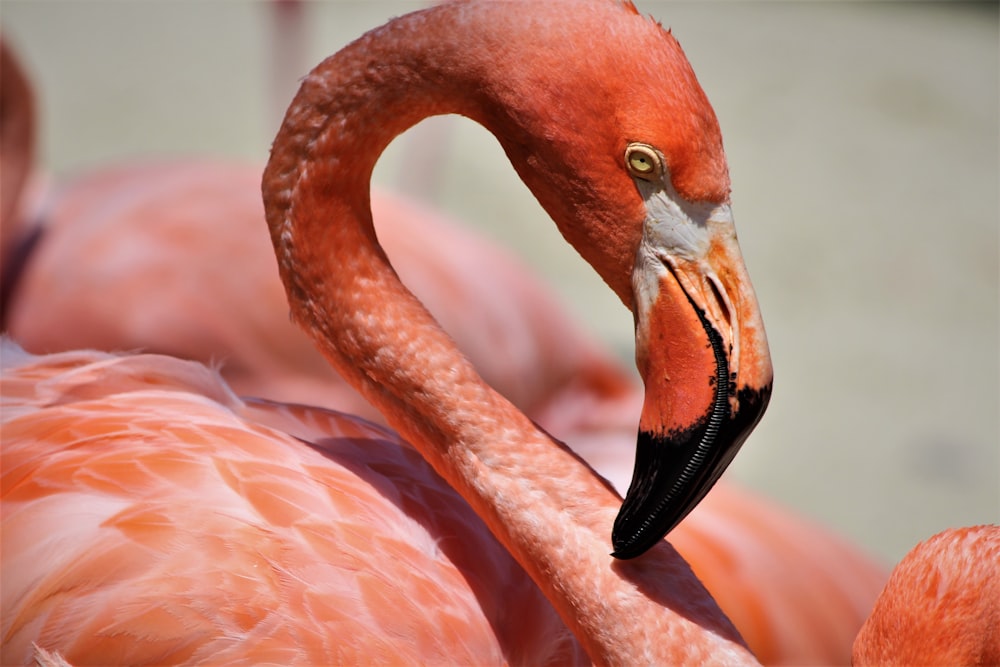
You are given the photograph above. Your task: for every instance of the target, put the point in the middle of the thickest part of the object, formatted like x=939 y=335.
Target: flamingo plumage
x=763 y=565
x=941 y=605
x=760 y=562
x=102 y=208
x=130 y=481
x=567 y=559
x=137 y=222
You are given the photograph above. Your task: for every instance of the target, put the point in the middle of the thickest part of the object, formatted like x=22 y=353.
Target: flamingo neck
x=19 y=233
x=541 y=501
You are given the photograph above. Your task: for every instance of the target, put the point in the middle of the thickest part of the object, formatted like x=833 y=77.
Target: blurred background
x=863 y=147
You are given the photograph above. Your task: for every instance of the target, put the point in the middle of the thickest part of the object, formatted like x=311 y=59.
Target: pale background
x=863 y=147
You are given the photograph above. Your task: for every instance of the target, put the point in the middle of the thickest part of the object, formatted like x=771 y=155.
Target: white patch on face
x=676 y=238
x=678 y=228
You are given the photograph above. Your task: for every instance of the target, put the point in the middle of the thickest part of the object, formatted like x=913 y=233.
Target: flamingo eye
x=643 y=161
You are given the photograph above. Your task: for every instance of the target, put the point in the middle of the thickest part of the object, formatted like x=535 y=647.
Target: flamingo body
x=941 y=605
x=130 y=482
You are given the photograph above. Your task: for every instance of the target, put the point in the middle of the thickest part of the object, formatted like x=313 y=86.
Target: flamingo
x=754 y=556
x=941 y=605
x=655 y=225
x=689 y=275
x=17 y=153
x=762 y=563
x=17 y=138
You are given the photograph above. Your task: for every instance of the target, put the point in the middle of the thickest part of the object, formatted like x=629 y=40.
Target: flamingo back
x=150 y=517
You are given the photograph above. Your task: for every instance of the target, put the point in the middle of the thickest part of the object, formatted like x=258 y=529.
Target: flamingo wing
x=150 y=516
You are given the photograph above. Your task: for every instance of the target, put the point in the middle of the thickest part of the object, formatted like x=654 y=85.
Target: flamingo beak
x=703 y=356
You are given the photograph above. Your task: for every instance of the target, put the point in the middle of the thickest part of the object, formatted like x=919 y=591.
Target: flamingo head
x=623 y=149
x=700 y=348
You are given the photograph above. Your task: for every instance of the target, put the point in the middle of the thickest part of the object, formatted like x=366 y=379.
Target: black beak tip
x=674 y=472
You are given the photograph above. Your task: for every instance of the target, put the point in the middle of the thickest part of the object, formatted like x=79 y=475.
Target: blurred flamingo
x=17 y=139
x=17 y=154
x=117 y=235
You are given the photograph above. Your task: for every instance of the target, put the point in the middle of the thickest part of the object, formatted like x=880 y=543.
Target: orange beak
x=703 y=355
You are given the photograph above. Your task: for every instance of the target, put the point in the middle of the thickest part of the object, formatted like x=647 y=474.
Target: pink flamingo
x=941 y=605
x=706 y=384
x=674 y=261
x=17 y=154
x=136 y=222
x=17 y=140
x=581 y=398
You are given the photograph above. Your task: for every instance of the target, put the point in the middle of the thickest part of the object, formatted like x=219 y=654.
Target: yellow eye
x=643 y=161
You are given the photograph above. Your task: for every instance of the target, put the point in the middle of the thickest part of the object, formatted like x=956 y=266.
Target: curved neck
x=343 y=290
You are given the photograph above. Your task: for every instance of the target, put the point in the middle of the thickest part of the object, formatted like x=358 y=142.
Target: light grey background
x=863 y=147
